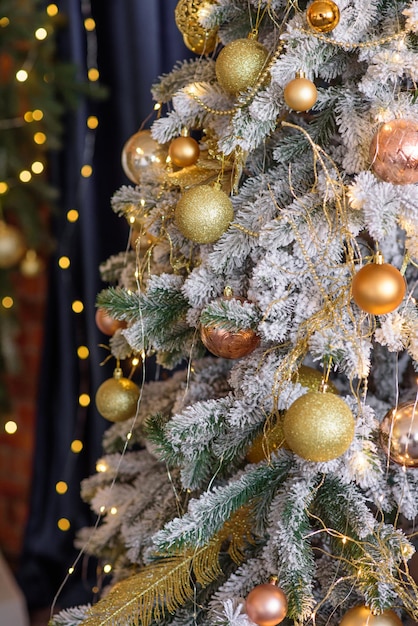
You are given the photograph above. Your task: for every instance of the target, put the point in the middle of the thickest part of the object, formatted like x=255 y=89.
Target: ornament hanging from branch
x=300 y=94
x=378 y=287
x=12 y=245
x=117 y=398
x=203 y=213
x=363 y=616
x=399 y=434
x=323 y=15
x=266 y=604
x=141 y=152
x=196 y=38
x=394 y=152
x=184 y=150
x=239 y=65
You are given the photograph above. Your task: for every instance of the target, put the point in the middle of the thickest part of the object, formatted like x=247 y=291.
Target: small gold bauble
x=300 y=94
x=184 y=151
x=266 y=443
x=117 y=398
x=31 y=265
x=142 y=152
x=394 y=152
x=266 y=605
x=203 y=213
x=12 y=246
x=378 y=288
x=323 y=15
x=239 y=65
x=318 y=426
x=196 y=38
x=399 y=434
x=362 y=616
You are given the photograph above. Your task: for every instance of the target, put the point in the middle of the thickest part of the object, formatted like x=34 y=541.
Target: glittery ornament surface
x=240 y=64
x=318 y=426
x=362 y=616
x=266 y=605
x=311 y=378
x=394 y=152
x=203 y=213
x=300 y=94
x=399 y=434
x=139 y=152
x=117 y=398
x=378 y=288
x=323 y=15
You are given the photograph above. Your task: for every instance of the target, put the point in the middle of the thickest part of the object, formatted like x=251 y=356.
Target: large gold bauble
x=12 y=246
x=203 y=213
x=184 y=151
x=362 y=616
x=266 y=605
x=117 y=398
x=378 y=288
x=300 y=94
x=318 y=426
x=142 y=152
x=323 y=15
x=196 y=38
x=399 y=434
x=239 y=65
x=394 y=152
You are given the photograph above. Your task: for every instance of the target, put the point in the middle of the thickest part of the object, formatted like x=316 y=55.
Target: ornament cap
x=378 y=258
x=273 y=580
x=228 y=292
x=117 y=373
x=185 y=132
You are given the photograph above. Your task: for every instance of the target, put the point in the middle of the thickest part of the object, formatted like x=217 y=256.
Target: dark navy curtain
x=137 y=40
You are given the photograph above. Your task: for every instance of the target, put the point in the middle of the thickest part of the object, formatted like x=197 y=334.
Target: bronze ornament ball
x=300 y=94
x=318 y=426
x=117 y=398
x=12 y=245
x=184 y=151
x=229 y=344
x=394 y=152
x=203 y=213
x=140 y=152
x=399 y=434
x=363 y=616
x=323 y=15
x=106 y=324
x=239 y=65
x=266 y=605
x=378 y=288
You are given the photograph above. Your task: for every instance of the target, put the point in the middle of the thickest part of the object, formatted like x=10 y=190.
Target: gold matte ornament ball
x=117 y=398
x=266 y=605
x=323 y=15
x=12 y=246
x=184 y=151
x=378 y=288
x=203 y=213
x=394 y=152
x=141 y=152
x=399 y=434
x=239 y=65
x=300 y=94
x=318 y=426
x=362 y=616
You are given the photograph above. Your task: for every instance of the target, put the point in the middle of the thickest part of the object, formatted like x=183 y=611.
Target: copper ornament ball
x=184 y=151
x=323 y=15
x=117 y=398
x=239 y=65
x=300 y=94
x=141 y=152
x=318 y=426
x=229 y=344
x=266 y=605
x=378 y=288
x=363 y=616
x=106 y=324
x=394 y=152
x=399 y=434
x=203 y=213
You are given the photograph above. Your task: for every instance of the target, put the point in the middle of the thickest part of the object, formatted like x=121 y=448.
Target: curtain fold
x=136 y=41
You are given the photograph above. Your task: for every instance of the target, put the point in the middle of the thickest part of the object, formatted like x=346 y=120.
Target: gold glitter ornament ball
x=300 y=94
x=184 y=151
x=117 y=398
x=311 y=378
x=378 y=288
x=318 y=426
x=399 y=434
x=362 y=616
x=266 y=605
x=196 y=38
x=266 y=443
x=141 y=152
x=394 y=152
x=203 y=213
x=323 y=15
x=12 y=245
x=239 y=65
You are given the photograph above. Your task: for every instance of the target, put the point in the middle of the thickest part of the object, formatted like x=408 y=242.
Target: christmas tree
x=273 y=262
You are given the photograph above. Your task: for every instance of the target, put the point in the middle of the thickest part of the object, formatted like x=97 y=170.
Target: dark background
x=136 y=40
